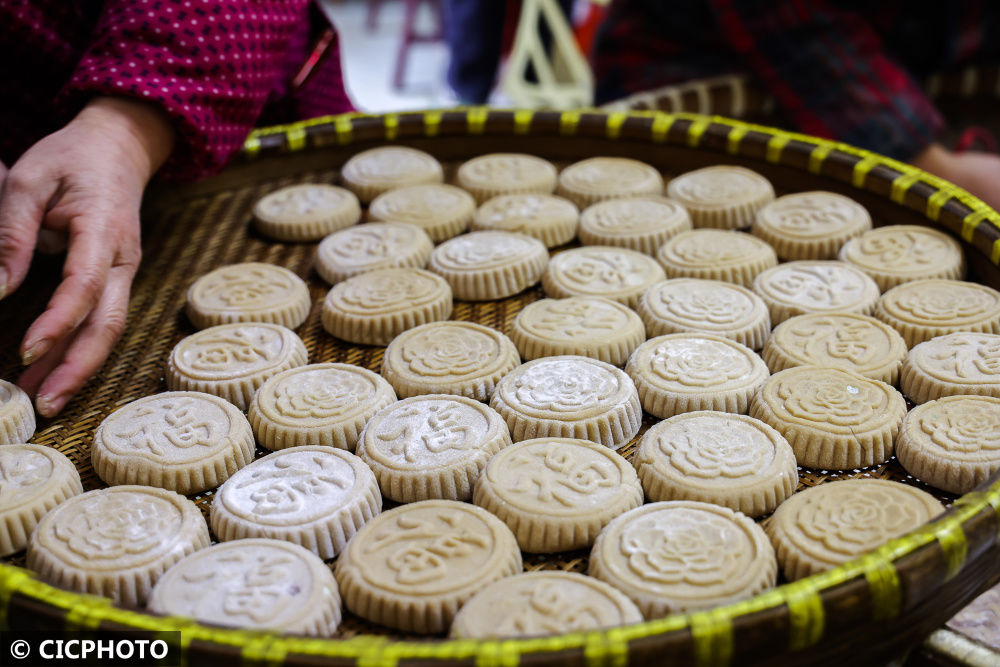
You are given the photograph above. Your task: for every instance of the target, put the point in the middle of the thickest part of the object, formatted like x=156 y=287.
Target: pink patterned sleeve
x=209 y=63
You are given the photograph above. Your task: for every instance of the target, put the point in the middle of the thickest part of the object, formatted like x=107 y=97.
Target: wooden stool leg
x=410 y=35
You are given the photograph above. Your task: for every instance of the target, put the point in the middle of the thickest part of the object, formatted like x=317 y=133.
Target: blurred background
x=396 y=53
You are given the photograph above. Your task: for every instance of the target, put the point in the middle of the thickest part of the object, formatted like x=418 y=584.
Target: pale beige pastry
x=184 y=441
x=461 y=358
x=232 y=360
x=923 y=309
x=716 y=254
x=257 y=584
x=484 y=266
x=550 y=219
x=305 y=212
x=952 y=443
x=414 y=566
x=830 y=524
x=815 y=286
x=374 y=307
x=682 y=372
x=850 y=341
x=834 y=419
x=588 y=326
x=811 y=225
x=950 y=365
x=376 y=170
x=556 y=494
x=314 y=496
x=618 y=274
x=682 y=555
x=33 y=480
x=721 y=196
x=569 y=397
x=116 y=542
x=250 y=292
x=371 y=246
x=439 y=209
x=318 y=404
x=17 y=415
x=717 y=457
x=896 y=254
x=495 y=174
x=543 y=603
x=432 y=446
x=693 y=305
x=592 y=180
x=638 y=223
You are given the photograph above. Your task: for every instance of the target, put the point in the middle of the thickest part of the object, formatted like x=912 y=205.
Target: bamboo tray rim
x=944 y=541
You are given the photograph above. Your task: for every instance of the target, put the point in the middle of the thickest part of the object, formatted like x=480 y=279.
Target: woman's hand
x=86 y=181
x=977 y=172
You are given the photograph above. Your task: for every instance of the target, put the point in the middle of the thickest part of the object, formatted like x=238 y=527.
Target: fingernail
x=48 y=406
x=35 y=350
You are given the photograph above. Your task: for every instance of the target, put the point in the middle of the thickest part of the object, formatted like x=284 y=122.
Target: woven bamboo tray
x=867 y=611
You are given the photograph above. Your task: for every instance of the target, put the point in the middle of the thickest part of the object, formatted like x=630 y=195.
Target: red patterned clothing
x=212 y=65
x=844 y=69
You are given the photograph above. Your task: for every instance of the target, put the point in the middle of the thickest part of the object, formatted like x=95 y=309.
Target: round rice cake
x=116 y=542
x=580 y=325
x=721 y=196
x=543 y=603
x=569 y=397
x=315 y=496
x=413 y=567
x=376 y=170
x=374 y=307
x=811 y=225
x=557 y=494
x=598 y=178
x=950 y=365
x=637 y=223
x=717 y=457
x=485 y=266
x=460 y=358
x=371 y=246
x=431 y=446
x=692 y=305
x=682 y=555
x=257 y=584
x=550 y=219
x=830 y=524
x=841 y=340
x=716 y=254
x=683 y=372
x=305 y=212
x=834 y=419
x=184 y=441
x=952 y=443
x=493 y=174
x=815 y=286
x=923 y=309
x=618 y=274
x=248 y=292
x=895 y=254
x=441 y=210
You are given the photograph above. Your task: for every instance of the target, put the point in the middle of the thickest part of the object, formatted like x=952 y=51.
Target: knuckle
x=113 y=327
x=15 y=238
x=129 y=256
x=89 y=279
